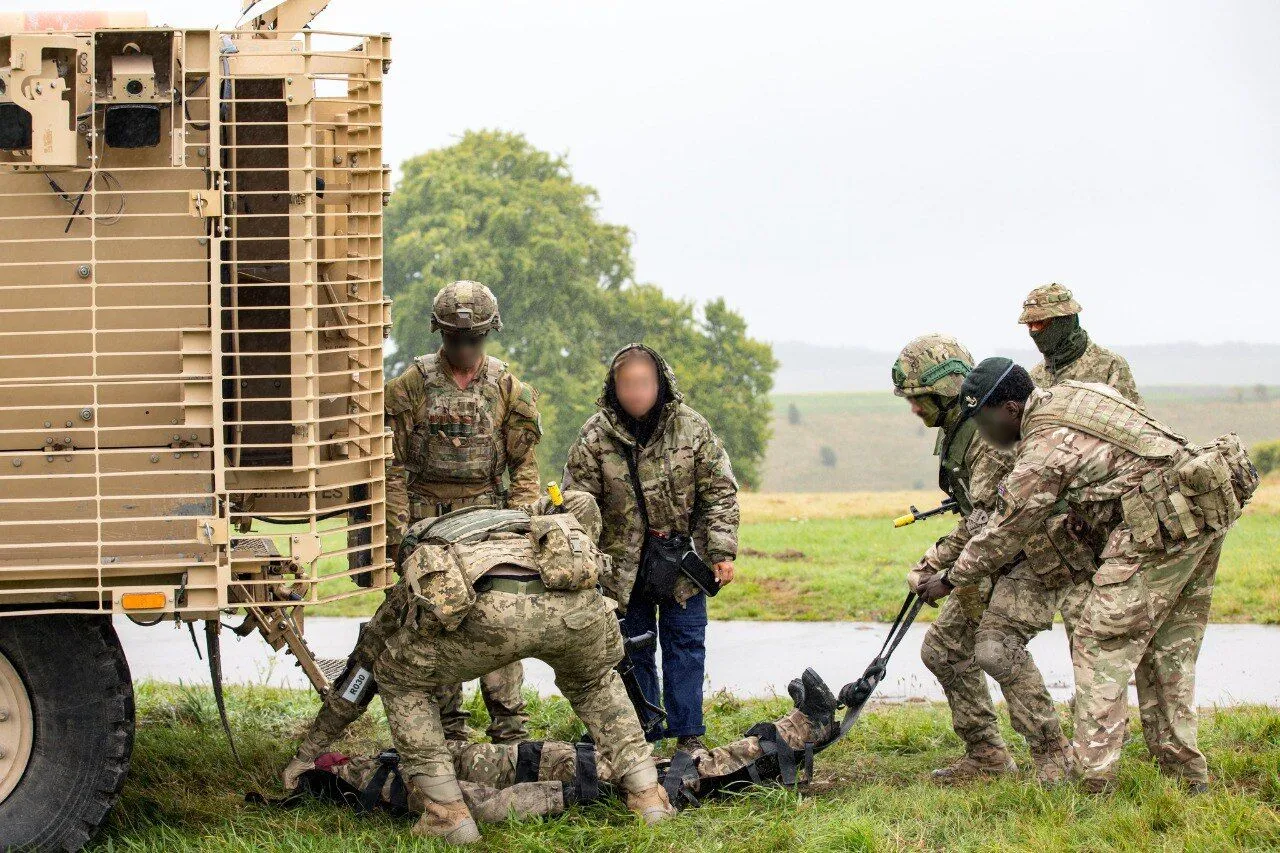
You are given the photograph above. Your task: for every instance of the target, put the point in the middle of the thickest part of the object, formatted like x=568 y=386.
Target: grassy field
x=837 y=556
x=879 y=445
x=870 y=793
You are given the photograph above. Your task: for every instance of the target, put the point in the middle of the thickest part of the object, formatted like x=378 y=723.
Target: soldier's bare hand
x=724 y=572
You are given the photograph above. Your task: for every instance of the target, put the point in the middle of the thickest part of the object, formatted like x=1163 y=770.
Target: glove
x=935 y=588
x=293 y=772
x=917 y=577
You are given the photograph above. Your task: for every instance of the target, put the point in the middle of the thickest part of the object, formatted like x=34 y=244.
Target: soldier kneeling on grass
x=487 y=587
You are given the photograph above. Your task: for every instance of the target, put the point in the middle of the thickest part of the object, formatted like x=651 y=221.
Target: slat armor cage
x=191 y=318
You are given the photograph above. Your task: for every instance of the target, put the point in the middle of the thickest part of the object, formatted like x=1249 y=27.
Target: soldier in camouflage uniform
x=487 y=588
x=541 y=778
x=689 y=488
x=1161 y=507
x=460 y=421
x=1052 y=316
x=984 y=627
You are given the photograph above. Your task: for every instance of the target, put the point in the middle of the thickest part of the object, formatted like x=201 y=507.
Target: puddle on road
x=745 y=658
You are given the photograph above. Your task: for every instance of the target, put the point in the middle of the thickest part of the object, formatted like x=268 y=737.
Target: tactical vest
x=1099 y=410
x=1189 y=490
x=457 y=434
x=442 y=558
x=953 y=464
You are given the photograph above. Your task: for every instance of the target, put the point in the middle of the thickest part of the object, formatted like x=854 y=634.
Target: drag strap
x=854 y=696
x=683 y=768
x=586 y=774
x=528 y=760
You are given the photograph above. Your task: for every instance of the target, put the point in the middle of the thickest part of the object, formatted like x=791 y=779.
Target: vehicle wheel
x=66 y=728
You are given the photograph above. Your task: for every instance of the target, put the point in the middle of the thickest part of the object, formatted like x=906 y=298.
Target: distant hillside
x=870 y=441
x=807 y=368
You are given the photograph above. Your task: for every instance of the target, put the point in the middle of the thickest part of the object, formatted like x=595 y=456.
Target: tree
x=827 y=456
x=793 y=414
x=495 y=209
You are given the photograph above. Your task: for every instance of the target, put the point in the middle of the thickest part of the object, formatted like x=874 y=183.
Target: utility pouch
x=660 y=564
x=1244 y=476
x=1139 y=511
x=1205 y=481
x=565 y=556
x=441 y=590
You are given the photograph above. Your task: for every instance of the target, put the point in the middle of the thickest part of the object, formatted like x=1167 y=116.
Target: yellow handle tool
x=557 y=497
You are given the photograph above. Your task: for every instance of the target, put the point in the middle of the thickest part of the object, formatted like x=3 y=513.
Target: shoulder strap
x=633 y=468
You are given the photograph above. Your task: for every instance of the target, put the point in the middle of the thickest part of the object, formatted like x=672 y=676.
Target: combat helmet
x=931 y=364
x=465 y=306
x=1048 y=300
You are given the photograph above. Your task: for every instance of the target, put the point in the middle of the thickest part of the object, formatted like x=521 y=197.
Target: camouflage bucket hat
x=1046 y=301
x=931 y=364
x=465 y=306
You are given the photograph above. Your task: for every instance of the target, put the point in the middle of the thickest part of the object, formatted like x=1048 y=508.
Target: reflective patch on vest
x=357 y=684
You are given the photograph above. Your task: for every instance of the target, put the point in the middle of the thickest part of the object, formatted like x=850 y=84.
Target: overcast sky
x=860 y=172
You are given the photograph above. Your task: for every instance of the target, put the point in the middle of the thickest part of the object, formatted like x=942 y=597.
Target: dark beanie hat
x=981 y=384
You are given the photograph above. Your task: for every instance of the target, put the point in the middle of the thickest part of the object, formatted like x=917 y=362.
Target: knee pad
x=935 y=659
x=998 y=659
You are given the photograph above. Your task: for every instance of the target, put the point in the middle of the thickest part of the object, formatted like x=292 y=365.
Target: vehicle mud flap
x=213 y=643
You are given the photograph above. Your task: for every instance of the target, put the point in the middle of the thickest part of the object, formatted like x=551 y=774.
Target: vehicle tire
x=67 y=731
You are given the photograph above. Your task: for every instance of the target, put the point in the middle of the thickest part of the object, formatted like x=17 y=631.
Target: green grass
x=186 y=794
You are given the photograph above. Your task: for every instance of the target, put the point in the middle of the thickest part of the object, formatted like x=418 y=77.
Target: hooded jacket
x=685 y=474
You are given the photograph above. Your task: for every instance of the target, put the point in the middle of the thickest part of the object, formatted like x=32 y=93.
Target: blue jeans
x=682 y=633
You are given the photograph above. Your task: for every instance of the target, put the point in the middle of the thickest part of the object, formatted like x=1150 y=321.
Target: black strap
x=528 y=760
x=585 y=772
x=855 y=695
x=683 y=768
x=633 y=468
x=371 y=794
x=808 y=762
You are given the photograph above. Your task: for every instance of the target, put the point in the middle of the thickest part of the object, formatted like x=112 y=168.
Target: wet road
x=1239 y=663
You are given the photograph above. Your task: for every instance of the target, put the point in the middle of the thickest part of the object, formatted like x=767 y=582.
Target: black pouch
x=660 y=565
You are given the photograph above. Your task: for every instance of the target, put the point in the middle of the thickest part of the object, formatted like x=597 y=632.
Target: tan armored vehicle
x=191 y=341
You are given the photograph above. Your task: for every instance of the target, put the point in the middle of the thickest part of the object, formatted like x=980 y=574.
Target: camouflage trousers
x=500 y=689
x=973 y=638
x=487 y=772
x=574 y=632
x=1144 y=621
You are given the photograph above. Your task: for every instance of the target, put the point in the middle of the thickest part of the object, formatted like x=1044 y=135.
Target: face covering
x=1062 y=341
x=932 y=411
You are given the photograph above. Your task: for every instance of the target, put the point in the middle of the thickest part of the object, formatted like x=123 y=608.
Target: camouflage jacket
x=979 y=474
x=516 y=428
x=1096 y=364
x=687 y=480
x=1063 y=457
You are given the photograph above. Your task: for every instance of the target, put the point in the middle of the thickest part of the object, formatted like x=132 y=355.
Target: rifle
x=651 y=716
x=949 y=505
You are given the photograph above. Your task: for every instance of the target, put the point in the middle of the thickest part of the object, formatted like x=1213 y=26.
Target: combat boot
x=982 y=760
x=651 y=804
x=813 y=698
x=451 y=822
x=1052 y=761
